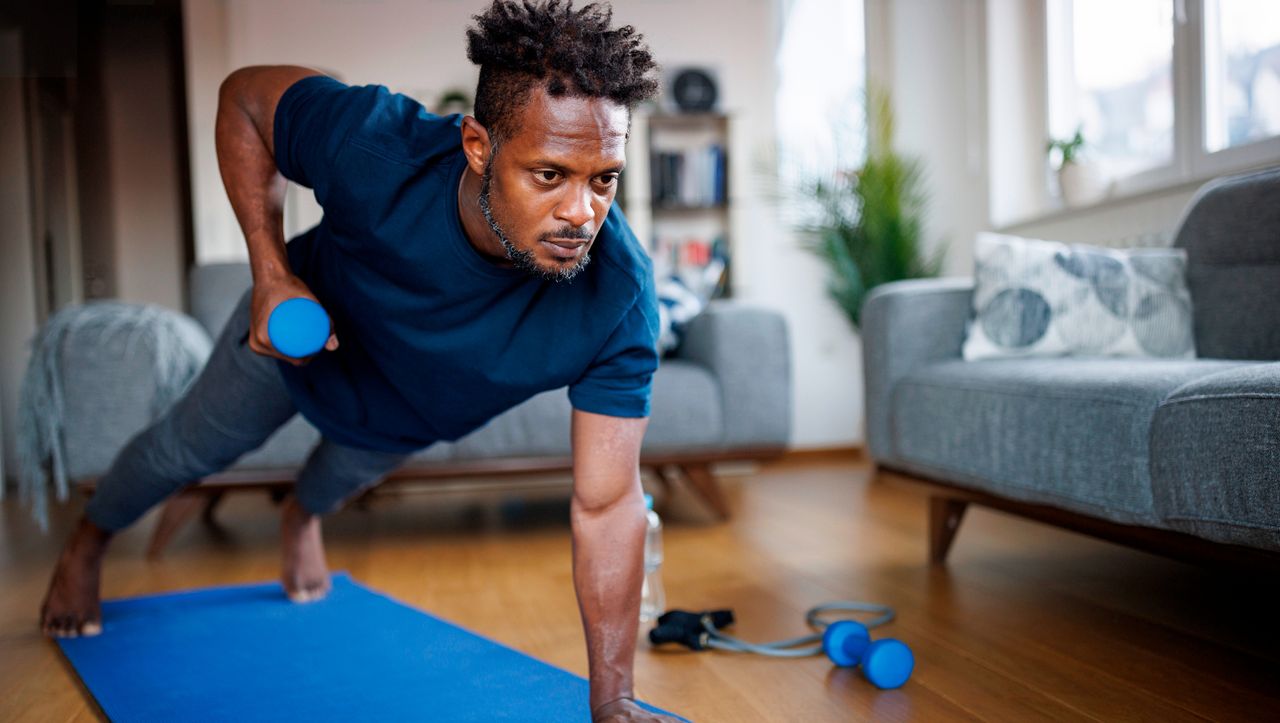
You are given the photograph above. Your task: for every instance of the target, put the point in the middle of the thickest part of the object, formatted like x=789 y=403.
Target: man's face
x=547 y=188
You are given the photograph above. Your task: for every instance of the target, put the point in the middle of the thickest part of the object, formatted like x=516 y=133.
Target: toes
x=69 y=626
x=58 y=626
x=307 y=594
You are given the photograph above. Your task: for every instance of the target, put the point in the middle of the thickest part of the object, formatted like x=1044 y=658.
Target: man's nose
x=576 y=209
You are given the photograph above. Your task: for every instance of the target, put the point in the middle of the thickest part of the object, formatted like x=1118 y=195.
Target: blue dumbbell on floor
x=887 y=663
x=298 y=327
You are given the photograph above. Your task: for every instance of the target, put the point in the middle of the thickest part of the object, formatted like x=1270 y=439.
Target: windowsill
x=1060 y=211
x=1121 y=199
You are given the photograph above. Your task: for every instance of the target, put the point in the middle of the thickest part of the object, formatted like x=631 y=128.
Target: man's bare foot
x=305 y=573
x=71 y=607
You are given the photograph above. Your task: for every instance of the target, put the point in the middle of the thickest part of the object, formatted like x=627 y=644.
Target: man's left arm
x=608 y=519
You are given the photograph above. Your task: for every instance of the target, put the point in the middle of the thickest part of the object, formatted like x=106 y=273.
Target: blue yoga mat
x=245 y=653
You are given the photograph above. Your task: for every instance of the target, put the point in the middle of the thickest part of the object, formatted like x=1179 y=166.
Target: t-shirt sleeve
x=314 y=119
x=618 y=383
x=320 y=122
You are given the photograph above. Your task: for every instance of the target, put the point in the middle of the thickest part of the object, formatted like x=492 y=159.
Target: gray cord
x=789 y=648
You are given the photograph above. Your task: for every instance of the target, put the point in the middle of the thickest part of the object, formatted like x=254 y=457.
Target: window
x=1165 y=91
x=821 y=77
x=1241 y=72
x=1111 y=76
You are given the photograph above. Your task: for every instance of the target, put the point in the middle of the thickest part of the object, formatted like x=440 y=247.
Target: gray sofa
x=724 y=394
x=1161 y=454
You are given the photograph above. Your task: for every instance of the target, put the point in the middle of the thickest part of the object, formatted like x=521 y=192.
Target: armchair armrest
x=98 y=374
x=748 y=350
x=905 y=325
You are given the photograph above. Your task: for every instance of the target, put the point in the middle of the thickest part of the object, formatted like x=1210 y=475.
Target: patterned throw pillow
x=1043 y=298
x=677 y=305
x=681 y=298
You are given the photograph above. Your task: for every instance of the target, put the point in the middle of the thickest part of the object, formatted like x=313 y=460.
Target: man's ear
x=475 y=144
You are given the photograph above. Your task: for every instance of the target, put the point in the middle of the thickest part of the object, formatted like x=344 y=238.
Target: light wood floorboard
x=1025 y=623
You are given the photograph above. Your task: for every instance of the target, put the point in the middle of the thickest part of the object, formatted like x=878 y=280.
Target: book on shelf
x=690 y=178
x=700 y=264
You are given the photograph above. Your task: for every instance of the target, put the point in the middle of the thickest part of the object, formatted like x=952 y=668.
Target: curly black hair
x=521 y=44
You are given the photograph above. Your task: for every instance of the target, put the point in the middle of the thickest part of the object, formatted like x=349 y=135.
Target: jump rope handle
x=298 y=327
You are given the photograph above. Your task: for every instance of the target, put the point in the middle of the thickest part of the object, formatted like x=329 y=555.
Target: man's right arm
x=245 y=142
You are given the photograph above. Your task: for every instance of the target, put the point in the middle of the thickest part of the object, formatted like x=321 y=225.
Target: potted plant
x=453 y=100
x=868 y=224
x=1078 y=180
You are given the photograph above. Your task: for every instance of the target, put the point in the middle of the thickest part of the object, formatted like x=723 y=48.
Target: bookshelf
x=676 y=195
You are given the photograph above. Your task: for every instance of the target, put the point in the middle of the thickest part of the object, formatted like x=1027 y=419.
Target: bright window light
x=1241 y=72
x=821 y=76
x=1110 y=74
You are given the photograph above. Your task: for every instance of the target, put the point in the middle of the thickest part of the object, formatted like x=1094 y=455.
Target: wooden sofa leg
x=707 y=488
x=945 y=515
x=178 y=511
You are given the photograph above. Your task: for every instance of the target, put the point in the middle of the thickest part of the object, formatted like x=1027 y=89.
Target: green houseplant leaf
x=868 y=224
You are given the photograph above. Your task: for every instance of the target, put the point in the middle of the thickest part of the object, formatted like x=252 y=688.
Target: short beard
x=522 y=258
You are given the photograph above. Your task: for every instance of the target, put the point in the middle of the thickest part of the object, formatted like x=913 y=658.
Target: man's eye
x=547 y=176
x=609 y=179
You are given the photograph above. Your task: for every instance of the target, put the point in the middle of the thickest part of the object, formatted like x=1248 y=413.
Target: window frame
x=1191 y=161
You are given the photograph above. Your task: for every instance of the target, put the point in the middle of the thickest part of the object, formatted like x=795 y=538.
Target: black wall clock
x=694 y=90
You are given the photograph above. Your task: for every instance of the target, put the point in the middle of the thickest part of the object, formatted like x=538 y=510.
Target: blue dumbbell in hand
x=298 y=327
x=887 y=663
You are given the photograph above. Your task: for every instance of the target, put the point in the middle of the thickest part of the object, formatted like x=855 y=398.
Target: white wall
x=931 y=55
x=144 y=181
x=419 y=48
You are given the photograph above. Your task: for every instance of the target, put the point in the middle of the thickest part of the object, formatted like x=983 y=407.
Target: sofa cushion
x=1231 y=232
x=288 y=448
x=113 y=362
x=687 y=408
x=1215 y=456
x=215 y=289
x=686 y=414
x=1067 y=432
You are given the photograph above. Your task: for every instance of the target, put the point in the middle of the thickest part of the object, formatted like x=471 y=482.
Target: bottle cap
x=648 y=501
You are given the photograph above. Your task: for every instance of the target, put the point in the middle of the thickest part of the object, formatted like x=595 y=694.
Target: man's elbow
x=598 y=497
x=255 y=89
x=231 y=90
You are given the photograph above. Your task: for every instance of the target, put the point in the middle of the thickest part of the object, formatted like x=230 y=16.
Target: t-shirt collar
x=466 y=253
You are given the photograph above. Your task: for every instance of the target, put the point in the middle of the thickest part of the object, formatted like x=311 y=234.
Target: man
x=467 y=263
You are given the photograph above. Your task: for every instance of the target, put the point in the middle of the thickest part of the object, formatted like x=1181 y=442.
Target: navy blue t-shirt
x=434 y=340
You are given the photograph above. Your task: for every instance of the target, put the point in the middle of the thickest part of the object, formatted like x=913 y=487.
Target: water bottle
x=653 y=599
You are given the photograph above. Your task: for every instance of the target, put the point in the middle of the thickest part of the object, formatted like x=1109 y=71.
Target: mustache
x=568 y=232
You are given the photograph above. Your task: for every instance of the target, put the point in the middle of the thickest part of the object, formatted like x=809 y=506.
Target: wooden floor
x=1025 y=623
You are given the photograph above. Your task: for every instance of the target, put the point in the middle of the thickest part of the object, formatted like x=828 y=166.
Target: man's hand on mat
x=71 y=606
x=268 y=293
x=626 y=710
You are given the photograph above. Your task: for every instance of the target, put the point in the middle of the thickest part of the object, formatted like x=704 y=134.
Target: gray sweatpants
x=235 y=404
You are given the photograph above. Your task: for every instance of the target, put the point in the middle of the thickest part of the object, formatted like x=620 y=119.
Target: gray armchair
x=724 y=394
